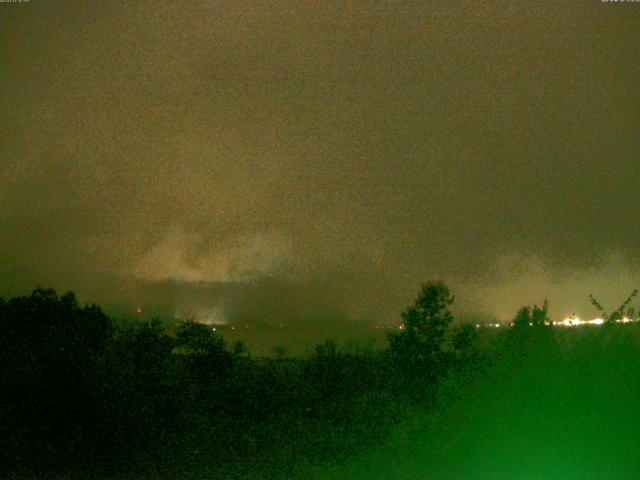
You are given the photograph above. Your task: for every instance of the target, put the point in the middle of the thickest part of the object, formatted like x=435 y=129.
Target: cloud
x=352 y=151
x=521 y=280
x=188 y=257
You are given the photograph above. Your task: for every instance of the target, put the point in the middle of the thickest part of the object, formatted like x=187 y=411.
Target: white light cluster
x=572 y=321
x=576 y=322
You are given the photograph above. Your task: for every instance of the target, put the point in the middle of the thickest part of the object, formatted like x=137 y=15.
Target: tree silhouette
x=50 y=351
x=535 y=316
x=465 y=342
x=240 y=349
x=78 y=391
x=206 y=361
x=419 y=345
x=619 y=313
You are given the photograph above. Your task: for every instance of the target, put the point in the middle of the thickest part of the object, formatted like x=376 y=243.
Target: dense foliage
x=80 y=392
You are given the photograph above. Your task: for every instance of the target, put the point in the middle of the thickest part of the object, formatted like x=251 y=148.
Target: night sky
x=303 y=159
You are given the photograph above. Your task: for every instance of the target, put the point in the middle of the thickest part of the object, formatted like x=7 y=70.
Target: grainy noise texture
x=347 y=150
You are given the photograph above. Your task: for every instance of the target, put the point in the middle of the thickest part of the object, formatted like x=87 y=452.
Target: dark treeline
x=82 y=393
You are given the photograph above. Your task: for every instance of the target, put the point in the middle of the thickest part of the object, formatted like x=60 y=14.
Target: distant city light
x=572 y=321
